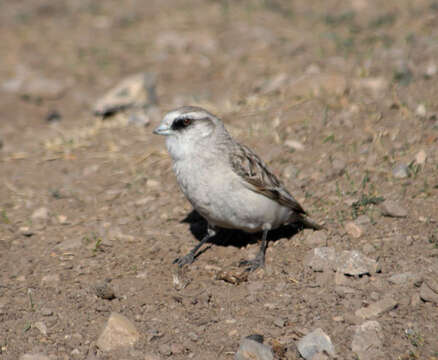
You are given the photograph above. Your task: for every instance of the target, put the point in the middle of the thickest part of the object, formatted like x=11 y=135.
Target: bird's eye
x=187 y=121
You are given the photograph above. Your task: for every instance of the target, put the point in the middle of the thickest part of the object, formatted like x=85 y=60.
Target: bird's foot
x=185 y=260
x=254 y=264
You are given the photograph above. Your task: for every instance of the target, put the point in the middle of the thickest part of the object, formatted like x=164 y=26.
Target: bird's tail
x=306 y=222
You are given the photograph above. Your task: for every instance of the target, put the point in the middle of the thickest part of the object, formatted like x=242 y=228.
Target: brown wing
x=256 y=174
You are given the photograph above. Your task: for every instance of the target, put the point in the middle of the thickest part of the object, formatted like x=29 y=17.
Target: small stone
x=421 y=157
x=50 y=280
x=150 y=356
x=368 y=249
x=62 y=219
x=401 y=171
x=290 y=172
x=46 y=311
x=53 y=116
x=415 y=300
x=252 y=350
x=431 y=70
x=164 y=349
x=353 y=229
x=105 y=291
x=69 y=244
x=429 y=291
x=279 y=322
x=421 y=111
x=377 y=309
x=118 y=332
x=294 y=144
x=41 y=327
x=375 y=85
x=321 y=259
x=368 y=341
x=315 y=238
x=363 y=220
x=40 y=214
x=403 y=278
x=37 y=356
x=25 y=231
x=75 y=353
x=176 y=348
x=355 y=263
x=393 y=209
x=315 y=342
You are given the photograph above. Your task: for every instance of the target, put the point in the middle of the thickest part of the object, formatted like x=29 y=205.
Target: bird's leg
x=259 y=260
x=190 y=257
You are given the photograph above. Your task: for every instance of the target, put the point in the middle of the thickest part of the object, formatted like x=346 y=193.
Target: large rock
x=321 y=259
x=315 y=342
x=119 y=332
x=367 y=341
x=376 y=309
x=355 y=263
x=429 y=291
x=250 y=349
x=393 y=209
x=135 y=91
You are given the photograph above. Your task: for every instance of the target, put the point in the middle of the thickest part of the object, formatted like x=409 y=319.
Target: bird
x=226 y=182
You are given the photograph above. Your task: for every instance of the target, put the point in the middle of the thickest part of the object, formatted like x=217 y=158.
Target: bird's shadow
x=237 y=238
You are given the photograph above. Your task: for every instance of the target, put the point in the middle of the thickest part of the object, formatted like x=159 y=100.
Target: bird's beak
x=162 y=130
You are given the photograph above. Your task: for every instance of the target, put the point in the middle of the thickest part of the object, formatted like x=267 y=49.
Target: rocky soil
x=339 y=97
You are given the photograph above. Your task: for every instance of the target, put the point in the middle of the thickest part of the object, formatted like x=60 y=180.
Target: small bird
x=226 y=183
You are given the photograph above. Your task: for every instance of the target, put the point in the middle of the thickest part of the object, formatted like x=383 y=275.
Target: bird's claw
x=185 y=260
x=252 y=265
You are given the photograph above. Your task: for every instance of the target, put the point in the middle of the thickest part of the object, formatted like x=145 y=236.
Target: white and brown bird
x=227 y=183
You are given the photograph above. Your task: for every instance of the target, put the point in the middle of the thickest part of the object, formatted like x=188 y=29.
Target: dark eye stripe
x=181 y=123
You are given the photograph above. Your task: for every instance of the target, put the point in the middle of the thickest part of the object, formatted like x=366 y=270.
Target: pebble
x=279 y=322
x=50 y=280
x=315 y=238
x=429 y=291
x=393 y=209
x=354 y=230
x=41 y=327
x=367 y=341
x=46 y=311
x=421 y=111
x=401 y=171
x=104 y=290
x=294 y=144
x=69 y=244
x=315 y=342
x=321 y=259
x=40 y=214
x=363 y=220
x=165 y=349
x=421 y=157
x=403 y=278
x=250 y=349
x=377 y=309
x=36 y=356
x=118 y=332
x=290 y=172
x=355 y=263
x=150 y=356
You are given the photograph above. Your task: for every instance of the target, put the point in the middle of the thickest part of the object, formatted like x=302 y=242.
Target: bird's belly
x=224 y=201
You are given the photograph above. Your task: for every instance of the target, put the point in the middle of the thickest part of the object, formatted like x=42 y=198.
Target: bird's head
x=186 y=128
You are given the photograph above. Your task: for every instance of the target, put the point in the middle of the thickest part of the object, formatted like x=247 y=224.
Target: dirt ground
x=85 y=200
